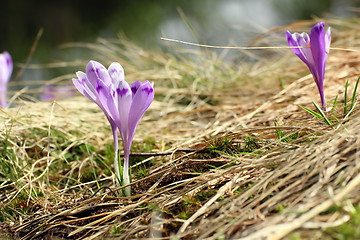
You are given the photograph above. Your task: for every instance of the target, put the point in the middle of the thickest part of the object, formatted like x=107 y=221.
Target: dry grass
x=249 y=179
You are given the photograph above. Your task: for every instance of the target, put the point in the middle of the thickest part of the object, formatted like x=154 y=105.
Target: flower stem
x=126 y=175
x=323 y=101
x=116 y=154
x=3 y=102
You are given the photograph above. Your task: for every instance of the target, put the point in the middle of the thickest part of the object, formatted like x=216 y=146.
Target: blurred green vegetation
x=67 y=21
x=141 y=21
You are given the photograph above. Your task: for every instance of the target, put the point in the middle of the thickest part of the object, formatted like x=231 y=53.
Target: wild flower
x=54 y=92
x=123 y=105
x=313 y=51
x=6 y=68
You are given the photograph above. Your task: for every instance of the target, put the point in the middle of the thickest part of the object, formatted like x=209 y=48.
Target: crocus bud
x=313 y=51
x=6 y=68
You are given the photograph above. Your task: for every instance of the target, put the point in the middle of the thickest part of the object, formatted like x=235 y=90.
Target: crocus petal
x=80 y=87
x=116 y=73
x=135 y=86
x=106 y=99
x=9 y=62
x=302 y=44
x=140 y=103
x=327 y=40
x=83 y=85
x=124 y=100
x=318 y=49
x=293 y=42
x=96 y=71
x=6 y=67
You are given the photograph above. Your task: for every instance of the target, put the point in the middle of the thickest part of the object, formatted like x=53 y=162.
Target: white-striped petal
x=116 y=72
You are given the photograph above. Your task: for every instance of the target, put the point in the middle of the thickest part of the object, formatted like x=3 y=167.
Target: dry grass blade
x=281 y=230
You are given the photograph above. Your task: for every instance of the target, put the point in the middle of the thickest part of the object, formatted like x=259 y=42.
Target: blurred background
x=217 y=22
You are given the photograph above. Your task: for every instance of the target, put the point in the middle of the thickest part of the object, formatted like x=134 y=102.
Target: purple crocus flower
x=313 y=51
x=6 y=68
x=55 y=92
x=123 y=105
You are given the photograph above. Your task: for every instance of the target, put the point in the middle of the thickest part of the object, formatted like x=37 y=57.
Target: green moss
x=151 y=207
x=108 y=153
x=221 y=146
x=183 y=215
x=251 y=144
x=188 y=206
x=349 y=230
x=294 y=236
x=230 y=146
x=205 y=195
x=280 y=208
x=332 y=209
x=146 y=145
x=9 y=170
x=141 y=172
x=281 y=136
x=19 y=206
x=116 y=230
x=190 y=201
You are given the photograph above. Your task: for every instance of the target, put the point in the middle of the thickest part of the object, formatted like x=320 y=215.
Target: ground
x=228 y=150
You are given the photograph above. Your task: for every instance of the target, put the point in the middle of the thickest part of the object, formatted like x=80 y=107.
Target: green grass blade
x=323 y=115
x=353 y=99
x=279 y=133
x=335 y=103
x=315 y=114
x=346 y=96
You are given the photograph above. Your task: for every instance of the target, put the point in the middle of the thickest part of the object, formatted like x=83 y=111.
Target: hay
x=256 y=185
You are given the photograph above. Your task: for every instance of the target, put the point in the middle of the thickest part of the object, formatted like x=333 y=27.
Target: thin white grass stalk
x=350 y=111
x=249 y=47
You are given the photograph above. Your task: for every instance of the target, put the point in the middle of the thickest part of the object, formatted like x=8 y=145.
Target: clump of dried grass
x=281 y=187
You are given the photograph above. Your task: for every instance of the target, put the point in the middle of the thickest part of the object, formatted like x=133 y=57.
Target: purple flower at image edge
x=6 y=68
x=123 y=105
x=313 y=51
